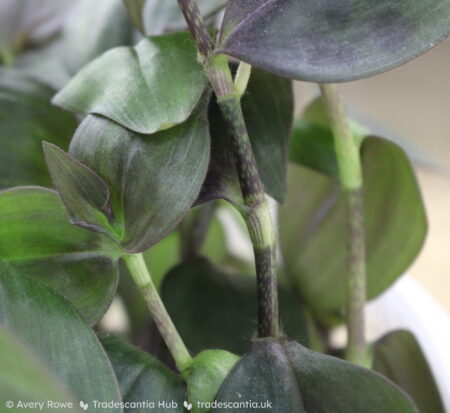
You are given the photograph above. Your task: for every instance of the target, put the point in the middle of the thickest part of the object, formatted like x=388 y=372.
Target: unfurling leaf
x=150 y=87
x=332 y=41
x=153 y=180
x=292 y=378
x=84 y=193
x=399 y=357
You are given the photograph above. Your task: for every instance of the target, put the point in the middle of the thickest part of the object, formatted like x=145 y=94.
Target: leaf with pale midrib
x=37 y=238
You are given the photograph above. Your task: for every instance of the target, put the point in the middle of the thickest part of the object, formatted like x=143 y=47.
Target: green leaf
x=150 y=87
x=135 y=8
x=84 y=193
x=57 y=334
x=268 y=109
x=25 y=378
x=313 y=146
x=399 y=357
x=153 y=179
x=143 y=378
x=37 y=238
x=230 y=303
x=313 y=222
x=91 y=31
x=295 y=379
x=313 y=141
x=332 y=41
x=27 y=118
x=205 y=376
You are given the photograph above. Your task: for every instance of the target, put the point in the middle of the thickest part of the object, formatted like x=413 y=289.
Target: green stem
x=256 y=212
x=351 y=178
x=138 y=270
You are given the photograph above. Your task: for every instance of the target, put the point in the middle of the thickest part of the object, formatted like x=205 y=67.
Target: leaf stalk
x=141 y=276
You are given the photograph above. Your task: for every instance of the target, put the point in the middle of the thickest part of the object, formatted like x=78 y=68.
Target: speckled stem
x=197 y=26
x=351 y=178
x=260 y=228
x=256 y=215
x=138 y=270
x=256 y=211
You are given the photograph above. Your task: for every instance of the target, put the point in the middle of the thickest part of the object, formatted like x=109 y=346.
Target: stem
x=256 y=212
x=138 y=270
x=260 y=228
x=196 y=26
x=350 y=171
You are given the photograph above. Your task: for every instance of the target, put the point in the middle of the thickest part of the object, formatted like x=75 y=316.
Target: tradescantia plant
x=156 y=129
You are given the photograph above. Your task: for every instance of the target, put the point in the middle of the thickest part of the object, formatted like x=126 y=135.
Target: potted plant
x=145 y=138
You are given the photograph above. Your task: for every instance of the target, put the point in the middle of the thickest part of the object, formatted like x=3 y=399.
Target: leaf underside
x=295 y=379
x=332 y=40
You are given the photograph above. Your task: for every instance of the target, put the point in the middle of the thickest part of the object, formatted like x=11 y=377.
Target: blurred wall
x=411 y=105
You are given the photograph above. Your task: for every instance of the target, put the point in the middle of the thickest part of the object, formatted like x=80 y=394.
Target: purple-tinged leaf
x=153 y=179
x=398 y=356
x=332 y=40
